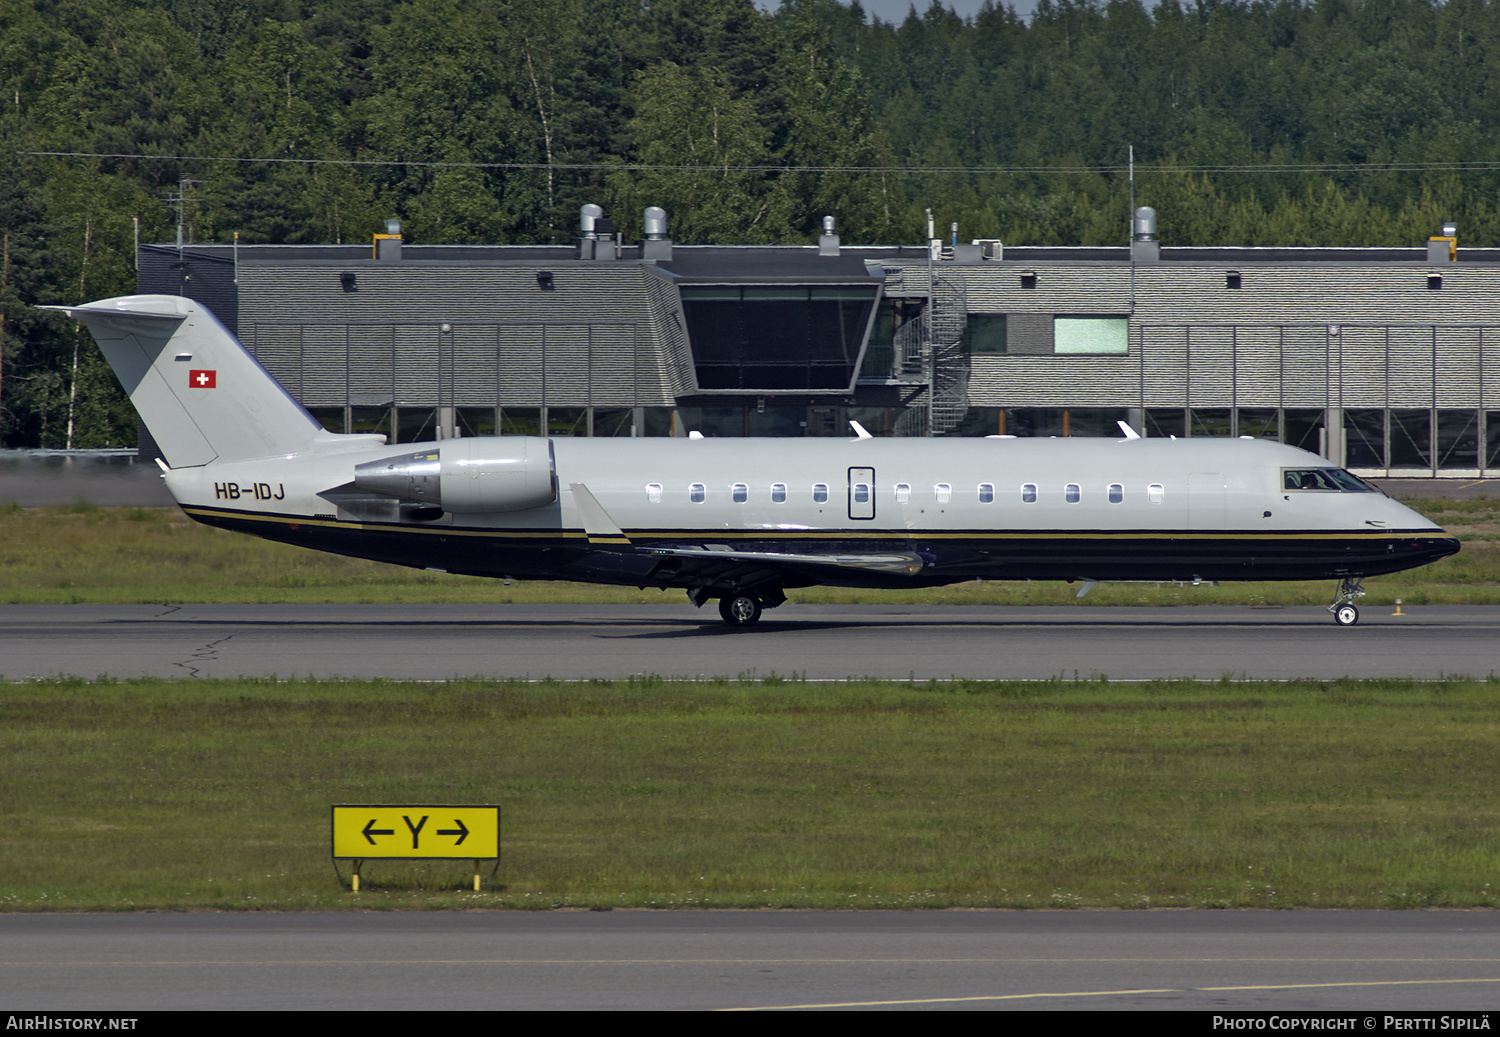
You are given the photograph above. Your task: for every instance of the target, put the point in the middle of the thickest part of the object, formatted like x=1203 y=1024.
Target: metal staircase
x=949 y=317
x=930 y=351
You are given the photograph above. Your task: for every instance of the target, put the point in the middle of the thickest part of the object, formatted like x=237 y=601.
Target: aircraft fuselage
x=989 y=508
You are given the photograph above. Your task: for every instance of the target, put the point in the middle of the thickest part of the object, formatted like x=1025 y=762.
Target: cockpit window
x=1327 y=480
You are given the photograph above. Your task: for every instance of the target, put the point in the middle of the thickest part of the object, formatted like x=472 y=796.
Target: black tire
x=1346 y=615
x=740 y=610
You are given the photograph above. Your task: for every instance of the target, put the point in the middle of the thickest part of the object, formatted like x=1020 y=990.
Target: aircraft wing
x=722 y=565
x=898 y=563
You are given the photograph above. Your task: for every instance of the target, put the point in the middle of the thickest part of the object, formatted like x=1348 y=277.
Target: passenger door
x=861 y=493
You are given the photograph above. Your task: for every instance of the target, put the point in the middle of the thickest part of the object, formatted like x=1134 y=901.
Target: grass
x=84 y=554
x=216 y=795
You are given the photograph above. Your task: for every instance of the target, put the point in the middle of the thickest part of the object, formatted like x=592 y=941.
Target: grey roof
x=707 y=261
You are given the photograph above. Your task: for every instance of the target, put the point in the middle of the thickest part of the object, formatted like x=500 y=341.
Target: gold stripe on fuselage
x=793 y=535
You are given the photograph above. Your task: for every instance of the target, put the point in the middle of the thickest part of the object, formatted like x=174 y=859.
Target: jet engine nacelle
x=488 y=474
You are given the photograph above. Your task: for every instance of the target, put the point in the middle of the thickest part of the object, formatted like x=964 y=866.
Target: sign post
x=429 y=832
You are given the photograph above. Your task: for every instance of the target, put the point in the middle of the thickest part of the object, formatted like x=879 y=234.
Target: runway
x=813 y=642
x=1364 y=961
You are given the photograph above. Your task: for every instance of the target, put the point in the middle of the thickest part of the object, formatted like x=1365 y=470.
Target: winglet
x=601 y=529
x=860 y=431
x=1128 y=432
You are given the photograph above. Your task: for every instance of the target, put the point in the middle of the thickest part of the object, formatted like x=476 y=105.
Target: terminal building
x=1385 y=360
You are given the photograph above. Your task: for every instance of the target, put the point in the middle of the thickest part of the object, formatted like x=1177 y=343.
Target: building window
x=1364 y=438
x=331 y=418
x=1411 y=439
x=1456 y=439
x=777 y=337
x=1258 y=422
x=1165 y=423
x=984 y=333
x=1090 y=335
x=1209 y=421
x=986 y=493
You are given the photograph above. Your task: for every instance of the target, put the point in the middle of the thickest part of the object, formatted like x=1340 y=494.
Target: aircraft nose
x=1430 y=549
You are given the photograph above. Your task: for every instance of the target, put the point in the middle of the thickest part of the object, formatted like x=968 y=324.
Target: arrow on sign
x=370 y=833
x=461 y=831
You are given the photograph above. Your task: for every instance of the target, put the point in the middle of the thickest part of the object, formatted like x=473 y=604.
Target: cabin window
x=740 y=492
x=1116 y=493
x=1028 y=493
x=653 y=492
x=986 y=493
x=778 y=493
x=1156 y=493
x=943 y=492
x=1072 y=493
x=903 y=492
x=861 y=493
x=820 y=492
x=696 y=492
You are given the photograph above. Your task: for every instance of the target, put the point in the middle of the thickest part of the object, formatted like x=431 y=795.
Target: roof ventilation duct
x=388 y=245
x=656 y=244
x=973 y=252
x=595 y=233
x=1443 y=247
x=588 y=216
x=1144 y=248
x=828 y=241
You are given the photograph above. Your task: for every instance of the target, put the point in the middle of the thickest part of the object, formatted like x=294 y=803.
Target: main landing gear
x=1351 y=588
x=740 y=610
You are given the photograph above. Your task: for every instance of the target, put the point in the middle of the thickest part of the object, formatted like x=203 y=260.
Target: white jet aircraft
x=741 y=520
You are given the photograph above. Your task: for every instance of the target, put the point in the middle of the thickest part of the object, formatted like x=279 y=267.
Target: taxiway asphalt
x=1363 y=963
x=814 y=642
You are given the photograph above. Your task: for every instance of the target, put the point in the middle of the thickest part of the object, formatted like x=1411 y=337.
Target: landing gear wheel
x=1351 y=588
x=740 y=610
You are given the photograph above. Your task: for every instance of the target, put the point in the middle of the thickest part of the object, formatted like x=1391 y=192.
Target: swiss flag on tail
x=202 y=379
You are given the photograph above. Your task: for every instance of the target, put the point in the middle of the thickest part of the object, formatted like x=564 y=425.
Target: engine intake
x=465 y=476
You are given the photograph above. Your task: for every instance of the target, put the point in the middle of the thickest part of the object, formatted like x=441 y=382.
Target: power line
x=646 y=167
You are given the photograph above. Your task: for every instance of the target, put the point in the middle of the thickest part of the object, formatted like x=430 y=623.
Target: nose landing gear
x=1350 y=590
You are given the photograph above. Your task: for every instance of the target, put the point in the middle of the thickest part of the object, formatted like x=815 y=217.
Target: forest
x=1253 y=122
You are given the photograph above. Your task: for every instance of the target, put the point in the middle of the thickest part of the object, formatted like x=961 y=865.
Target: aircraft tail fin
x=202 y=395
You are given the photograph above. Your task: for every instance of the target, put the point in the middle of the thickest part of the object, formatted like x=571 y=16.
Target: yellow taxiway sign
x=432 y=831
